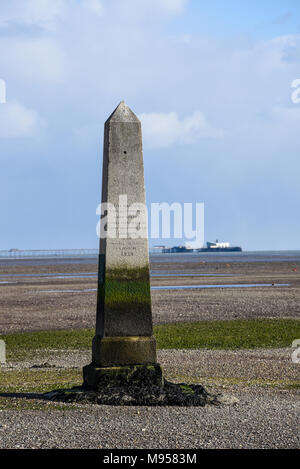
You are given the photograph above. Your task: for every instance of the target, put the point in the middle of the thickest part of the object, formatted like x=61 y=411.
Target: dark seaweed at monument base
x=136 y=385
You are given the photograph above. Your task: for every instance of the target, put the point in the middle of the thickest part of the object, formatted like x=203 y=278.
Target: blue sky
x=211 y=82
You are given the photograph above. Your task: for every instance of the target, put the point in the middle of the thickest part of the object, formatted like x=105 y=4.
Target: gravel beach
x=264 y=412
x=258 y=421
x=260 y=385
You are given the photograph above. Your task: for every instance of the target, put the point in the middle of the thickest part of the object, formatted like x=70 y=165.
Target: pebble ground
x=260 y=420
x=267 y=414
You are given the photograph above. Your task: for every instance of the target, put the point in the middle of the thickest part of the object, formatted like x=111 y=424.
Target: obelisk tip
x=123 y=113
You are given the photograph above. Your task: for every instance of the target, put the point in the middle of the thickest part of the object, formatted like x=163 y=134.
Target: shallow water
x=179 y=287
x=194 y=274
x=244 y=285
x=54 y=276
x=94 y=275
x=228 y=257
x=67 y=291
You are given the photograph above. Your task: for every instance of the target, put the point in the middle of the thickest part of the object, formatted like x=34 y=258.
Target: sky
x=211 y=83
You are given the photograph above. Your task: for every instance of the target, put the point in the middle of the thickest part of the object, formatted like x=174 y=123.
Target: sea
x=90 y=256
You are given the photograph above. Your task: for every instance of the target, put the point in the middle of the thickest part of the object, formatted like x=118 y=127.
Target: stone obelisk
x=124 y=318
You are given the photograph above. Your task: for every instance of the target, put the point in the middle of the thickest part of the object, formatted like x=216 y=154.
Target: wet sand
x=25 y=304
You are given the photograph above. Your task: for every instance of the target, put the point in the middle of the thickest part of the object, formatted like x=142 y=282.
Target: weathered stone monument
x=2 y=352
x=124 y=370
x=124 y=319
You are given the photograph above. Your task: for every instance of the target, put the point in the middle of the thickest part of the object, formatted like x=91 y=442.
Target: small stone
x=2 y=352
x=227 y=399
x=43 y=365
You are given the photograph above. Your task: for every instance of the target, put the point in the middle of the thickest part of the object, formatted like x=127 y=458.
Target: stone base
x=112 y=351
x=122 y=377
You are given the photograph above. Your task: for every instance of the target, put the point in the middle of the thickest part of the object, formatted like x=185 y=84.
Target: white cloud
x=18 y=121
x=42 y=13
x=95 y=6
x=87 y=133
x=173 y=7
x=164 y=130
x=284 y=123
x=38 y=59
x=46 y=13
x=135 y=10
x=289 y=115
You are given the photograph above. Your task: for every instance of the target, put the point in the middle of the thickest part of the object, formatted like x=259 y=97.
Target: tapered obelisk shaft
x=124 y=318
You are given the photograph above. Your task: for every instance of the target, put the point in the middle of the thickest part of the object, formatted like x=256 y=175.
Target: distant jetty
x=210 y=247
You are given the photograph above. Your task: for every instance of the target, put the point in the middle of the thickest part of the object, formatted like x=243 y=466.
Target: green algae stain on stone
x=124 y=297
x=120 y=293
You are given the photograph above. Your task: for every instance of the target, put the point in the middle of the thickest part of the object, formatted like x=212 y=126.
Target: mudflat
x=45 y=295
